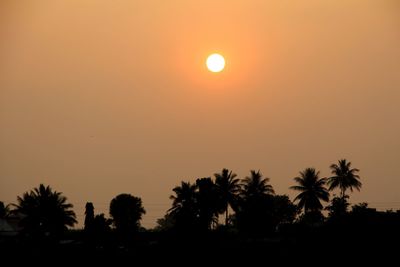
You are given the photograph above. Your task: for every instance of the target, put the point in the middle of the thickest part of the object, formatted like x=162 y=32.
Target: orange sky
x=99 y=97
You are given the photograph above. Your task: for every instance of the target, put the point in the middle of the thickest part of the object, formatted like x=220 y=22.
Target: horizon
x=101 y=98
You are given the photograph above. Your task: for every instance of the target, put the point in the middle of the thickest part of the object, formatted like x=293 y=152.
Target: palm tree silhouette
x=45 y=212
x=255 y=185
x=312 y=190
x=185 y=196
x=344 y=177
x=4 y=210
x=207 y=202
x=254 y=205
x=184 y=205
x=228 y=188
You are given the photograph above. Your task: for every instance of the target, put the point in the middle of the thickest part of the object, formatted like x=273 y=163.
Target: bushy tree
x=338 y=208
x=126 y=212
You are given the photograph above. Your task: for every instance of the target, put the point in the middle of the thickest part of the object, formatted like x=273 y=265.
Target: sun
x=215 y=63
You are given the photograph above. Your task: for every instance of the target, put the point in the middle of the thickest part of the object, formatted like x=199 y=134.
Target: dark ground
x=311 y=249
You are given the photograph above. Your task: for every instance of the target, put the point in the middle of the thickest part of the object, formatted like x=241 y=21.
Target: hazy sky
x=103 y=97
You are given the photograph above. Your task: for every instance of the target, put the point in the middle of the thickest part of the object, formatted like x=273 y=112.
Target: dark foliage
x=263 y=227
x=208 y=203
x=312 y=190
x=338 y=208
x=126 y=212
x=254 y=209
x=228 y=187
x=97 y=228
x=45 y=213
x=344 y=177
x=184 y=210
x=89 y=215
x=4 y=210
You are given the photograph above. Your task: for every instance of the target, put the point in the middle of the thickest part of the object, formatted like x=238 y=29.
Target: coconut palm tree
x=228 y=188
x=344 y=177
x=184 y=208
x=4 y=210
x=312 y=190
x=254 y=205
x=45 y=212
x=207 y=203
x=255 y=185
x=185 y=196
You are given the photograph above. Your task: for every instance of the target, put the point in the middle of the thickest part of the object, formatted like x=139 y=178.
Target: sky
x=99 y=97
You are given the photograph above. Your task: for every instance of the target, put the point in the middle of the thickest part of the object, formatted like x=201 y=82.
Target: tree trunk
x=226 y=215
x=343 y=193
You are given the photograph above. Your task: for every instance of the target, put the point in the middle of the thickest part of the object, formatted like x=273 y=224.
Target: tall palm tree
x=185 y=196
x=228 y=188
x=252 y=210
x=344 y=177
x=45 y=211
x=255 y=185
x=312 y=190
x=184 y=205
x=207 y=202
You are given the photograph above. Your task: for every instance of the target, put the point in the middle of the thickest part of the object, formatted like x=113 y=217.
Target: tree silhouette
x=4 y=210
x=283 y=210
x=101 y=224
x=255 y=204
x=184 y=206
x=362 y=208
x=312 y=190
x=100 y=229
x=344 y=177
x=255 y=185
x=338 y=207
x=89 y=215
x=126 y=211
x=97 y=228
x=45 y=212
x=228 y=187
x=207 y=202
x=166 y=223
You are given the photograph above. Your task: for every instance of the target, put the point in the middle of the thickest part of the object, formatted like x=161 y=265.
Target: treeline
x=222 y=203
x=256 y=209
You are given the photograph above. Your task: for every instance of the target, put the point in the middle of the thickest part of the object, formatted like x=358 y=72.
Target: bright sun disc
x=215 y=63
